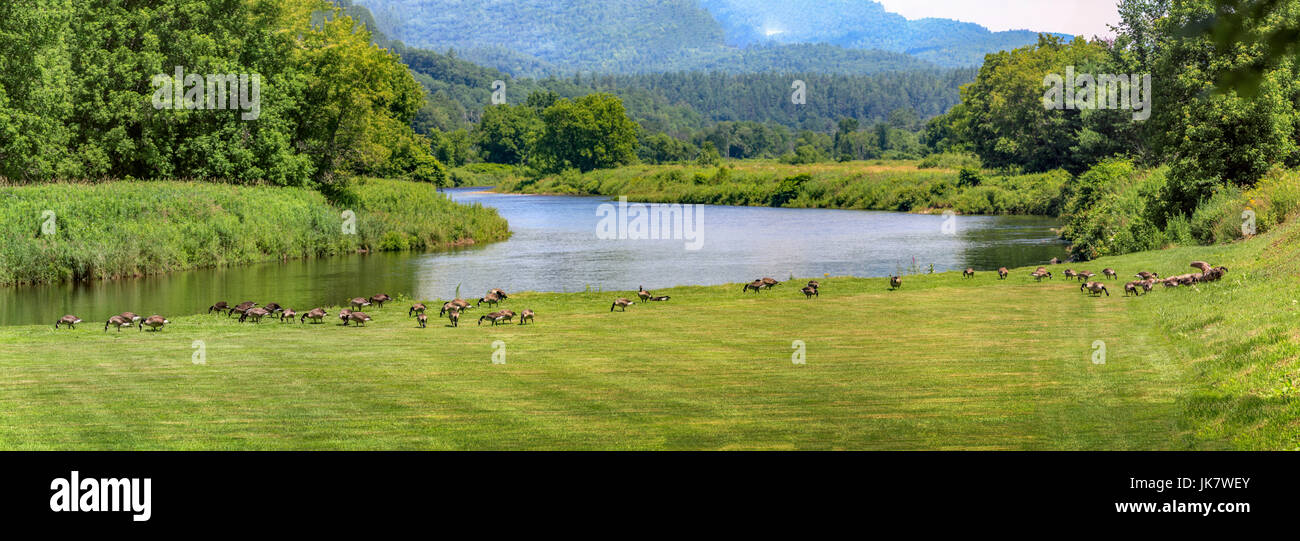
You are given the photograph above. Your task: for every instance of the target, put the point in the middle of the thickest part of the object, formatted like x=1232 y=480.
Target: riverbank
x=60 y=232
x=901 y=186
x=943 y=363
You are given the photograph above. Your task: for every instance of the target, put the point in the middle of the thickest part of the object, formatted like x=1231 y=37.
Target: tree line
x=78 y=80
x=1224 y=99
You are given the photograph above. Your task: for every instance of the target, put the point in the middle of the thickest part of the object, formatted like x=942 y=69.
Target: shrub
x=950 y=160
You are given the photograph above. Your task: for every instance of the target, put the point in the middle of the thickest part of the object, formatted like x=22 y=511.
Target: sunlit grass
x=943 y=363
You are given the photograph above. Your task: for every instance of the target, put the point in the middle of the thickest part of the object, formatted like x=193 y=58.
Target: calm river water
x=556 y=246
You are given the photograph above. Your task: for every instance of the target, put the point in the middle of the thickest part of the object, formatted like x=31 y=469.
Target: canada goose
x=380 y=299
x=454 y=316
x=256 y=313
x=491 y=299
x=422 y=319
x=1040 y=274
x=769 y=283
x=343 y=315
x=501 y=294
x=1147 y=275
x=1132 y=287
x=895 y=282
x=641 y=292
x=359 y=302
x=621 y=303
x=756 y=285
x=1109 y=273
x=1054 y=261
x=814 y=284
x=809 y=292
x=220 y=306
x=70 y=320
x=525 y=316
x=1095 y=288
x=317 y=315
x=130 y=316
x=1202 y=266
x=1171 y=282
x=661 y=298
x=241 y=308
x=117 y=321
x=360 y=318
x=1148 y=284
x=272 y=308
x=154 y=322
x=498 y=317
x=1002 y=273
x=289 y=314
x=1069 y=273
x=968 y=273
x=417 y=308
x=458 y=304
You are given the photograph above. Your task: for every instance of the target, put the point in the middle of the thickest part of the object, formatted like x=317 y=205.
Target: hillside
x=859 y=24
x=538 y=37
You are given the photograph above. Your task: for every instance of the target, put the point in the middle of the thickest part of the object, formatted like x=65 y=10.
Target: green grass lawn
x=943 y=363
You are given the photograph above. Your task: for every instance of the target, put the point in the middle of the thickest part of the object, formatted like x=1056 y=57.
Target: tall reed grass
x=58 y=232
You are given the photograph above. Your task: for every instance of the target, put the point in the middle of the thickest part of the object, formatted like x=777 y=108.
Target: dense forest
x=1224 y=122
x=679 y=114
x=80 y=94
x=537 y=38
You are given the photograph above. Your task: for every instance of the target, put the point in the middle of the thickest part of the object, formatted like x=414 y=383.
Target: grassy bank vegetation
x=925 y=367
x=900 y=185
x=1113 y=208
x=116 y=229
x=1117 y=208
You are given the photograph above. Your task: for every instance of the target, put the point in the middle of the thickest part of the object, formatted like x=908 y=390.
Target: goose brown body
x=317 y=315
x=69 y=320
x=117 y=321
x=154 y=322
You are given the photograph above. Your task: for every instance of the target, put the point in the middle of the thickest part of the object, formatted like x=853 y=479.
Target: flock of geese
x=250 y=311
x=1146 y=281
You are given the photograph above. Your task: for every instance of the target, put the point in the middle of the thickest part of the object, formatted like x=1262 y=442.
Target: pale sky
x=1079 y=17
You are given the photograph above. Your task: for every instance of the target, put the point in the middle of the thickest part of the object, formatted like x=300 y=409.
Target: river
x=557 y=246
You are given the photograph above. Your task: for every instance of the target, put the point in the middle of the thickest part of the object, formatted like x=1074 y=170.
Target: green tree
x=709 y=155
x=1002 y=117
x=591 y=132
x=506 y=133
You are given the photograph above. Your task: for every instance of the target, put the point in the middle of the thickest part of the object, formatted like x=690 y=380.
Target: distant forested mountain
x=681 y=102
x=544 y=37
x=743 y=114
x=860 y=24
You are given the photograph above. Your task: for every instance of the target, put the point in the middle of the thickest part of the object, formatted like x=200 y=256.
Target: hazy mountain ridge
x=861 y=24
x=542 y=37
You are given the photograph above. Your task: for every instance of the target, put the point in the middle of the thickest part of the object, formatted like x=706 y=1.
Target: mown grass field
x=943 y=363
